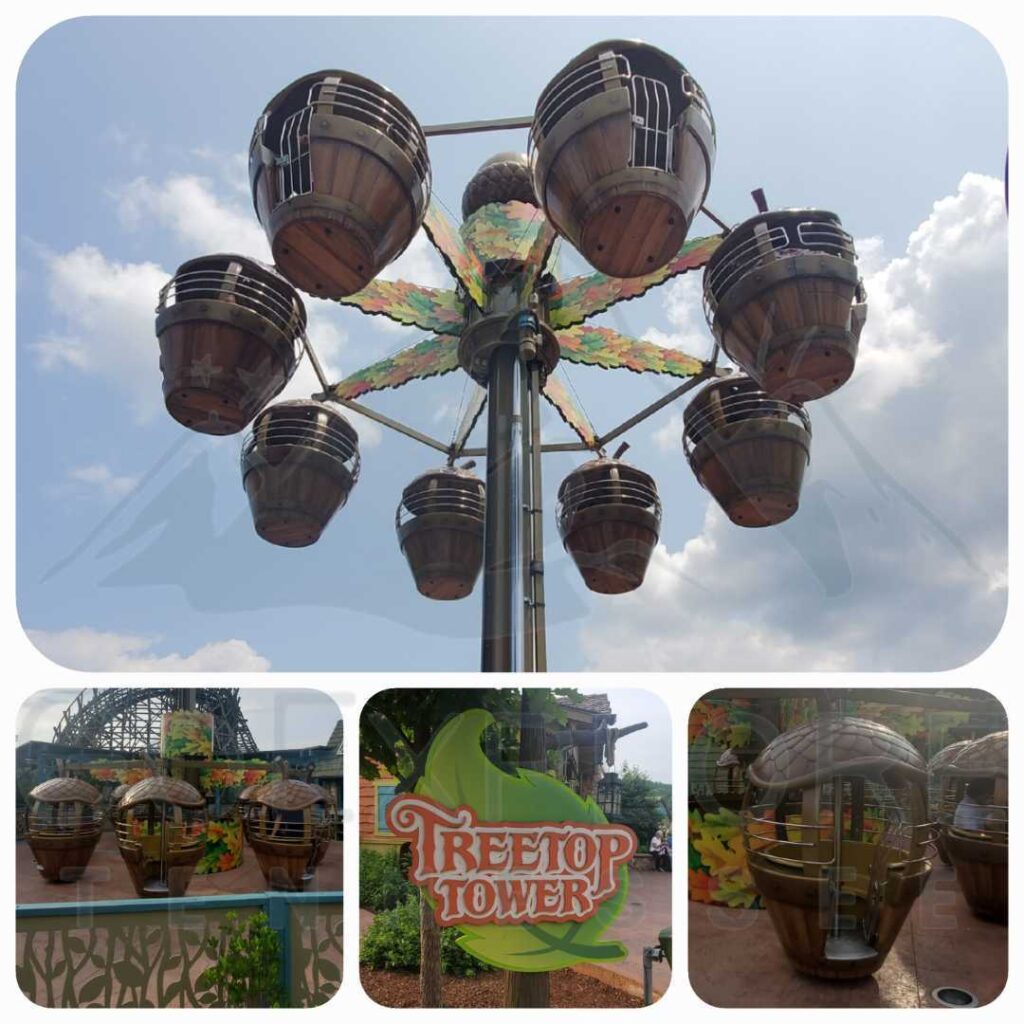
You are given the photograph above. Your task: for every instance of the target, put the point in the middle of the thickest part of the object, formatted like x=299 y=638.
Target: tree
x=395 y=732
x=643 y=803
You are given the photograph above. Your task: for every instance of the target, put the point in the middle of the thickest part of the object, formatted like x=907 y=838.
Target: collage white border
x=25 y=670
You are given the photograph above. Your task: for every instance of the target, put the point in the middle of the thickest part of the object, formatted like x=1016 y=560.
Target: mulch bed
x=568 y=989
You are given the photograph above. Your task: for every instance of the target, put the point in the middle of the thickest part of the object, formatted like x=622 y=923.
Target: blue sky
x=135 y=547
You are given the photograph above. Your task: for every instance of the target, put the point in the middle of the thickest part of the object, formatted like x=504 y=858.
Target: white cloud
x=107 y=308
x=682 y=304
x=420 y=264
x=897 y=557
x=102 y=478
x=189 y=207
x=93 y=651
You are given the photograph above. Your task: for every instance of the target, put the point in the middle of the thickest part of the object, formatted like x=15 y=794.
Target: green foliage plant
x=247 y=969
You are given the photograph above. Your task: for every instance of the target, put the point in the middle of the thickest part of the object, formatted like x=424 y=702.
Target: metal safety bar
x=767 y=244
x=294 y=432
x=442 y=501
x=345 y=99
x=583 y=82
x=247 y=292
x=739 y=407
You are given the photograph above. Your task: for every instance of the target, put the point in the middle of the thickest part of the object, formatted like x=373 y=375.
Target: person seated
x=661 y=853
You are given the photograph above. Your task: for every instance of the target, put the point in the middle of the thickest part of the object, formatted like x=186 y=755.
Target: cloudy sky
x=297 y=717
x=135 y=546
x=280 y=719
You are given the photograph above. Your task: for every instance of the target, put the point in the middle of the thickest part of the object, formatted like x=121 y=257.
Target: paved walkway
x=106 y=877
x=736 y=960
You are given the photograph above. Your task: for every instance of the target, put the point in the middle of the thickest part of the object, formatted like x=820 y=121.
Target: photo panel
x=179 y=847
x=848 y=848
x=515 y=848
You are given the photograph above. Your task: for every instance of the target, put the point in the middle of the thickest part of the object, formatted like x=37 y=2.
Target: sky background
x=135 y=545
x=297 y=717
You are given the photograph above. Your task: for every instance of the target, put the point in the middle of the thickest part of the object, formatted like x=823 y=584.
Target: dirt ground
x=568 y=989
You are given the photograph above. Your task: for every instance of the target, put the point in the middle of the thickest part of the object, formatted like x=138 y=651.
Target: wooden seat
x=622 y=146
x=230 y=332
x=783 y=297
x=609 y=517
x=299 y=466
x=440 y=525
x=340 y=179
x=748 y=450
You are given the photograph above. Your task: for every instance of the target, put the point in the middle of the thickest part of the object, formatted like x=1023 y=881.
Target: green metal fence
x=114 y=953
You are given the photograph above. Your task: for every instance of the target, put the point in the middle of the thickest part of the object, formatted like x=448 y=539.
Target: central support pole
x=498 y=642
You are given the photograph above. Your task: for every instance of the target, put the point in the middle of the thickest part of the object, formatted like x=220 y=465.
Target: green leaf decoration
x=574 y=300
x=509 y=231
x=462 y=261
x=430 y=309
x=601 y=346
x=458 y=773
x=430 y=358
x=570 y=410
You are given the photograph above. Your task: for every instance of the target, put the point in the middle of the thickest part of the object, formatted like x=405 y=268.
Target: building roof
x=595 y=703
x=337 y=737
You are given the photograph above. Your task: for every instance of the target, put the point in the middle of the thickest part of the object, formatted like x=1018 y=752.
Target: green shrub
x=392 y=943
x=382 y=882
x=248 y=956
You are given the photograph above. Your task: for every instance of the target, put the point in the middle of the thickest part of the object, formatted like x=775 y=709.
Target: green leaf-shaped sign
x=474 y=797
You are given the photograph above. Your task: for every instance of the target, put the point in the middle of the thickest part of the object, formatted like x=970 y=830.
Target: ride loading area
x=848 y=848
x=153 y=835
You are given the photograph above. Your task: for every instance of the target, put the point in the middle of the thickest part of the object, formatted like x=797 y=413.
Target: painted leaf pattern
x=601 y=346
x=462 y=261
x=429 y=358
x=504 y=231
x=431 y=309
x=457 y=774
x=580 y=297
x=569 y=409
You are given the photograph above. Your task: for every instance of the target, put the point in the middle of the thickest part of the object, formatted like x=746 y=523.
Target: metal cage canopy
x=621 y=148
x=127 y=720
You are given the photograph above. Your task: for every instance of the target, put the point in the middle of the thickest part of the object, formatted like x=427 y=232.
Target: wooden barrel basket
x=340 y=180
x=299 y=466
x=974 y=818
x=609 y=517
x=784 y=299
x=622 y=146
x=160 y=825
x=289 y=824
x=230 y=332
x=748 y=450
x=440 y=526
x=941 y=790
x=838 y=842
x=63 y=823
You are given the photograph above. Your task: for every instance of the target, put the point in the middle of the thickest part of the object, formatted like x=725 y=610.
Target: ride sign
x=506 y=872
x=531 y=873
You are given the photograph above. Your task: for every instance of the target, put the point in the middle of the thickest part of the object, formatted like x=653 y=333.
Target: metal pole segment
x=386 y=421
x=496 y=653
x=721 y=223
x=315 y=363
x=537 y=526
x=526 y=512
x=650 y=410
x=476 y=403
x=565 y=446
x=467 y=127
